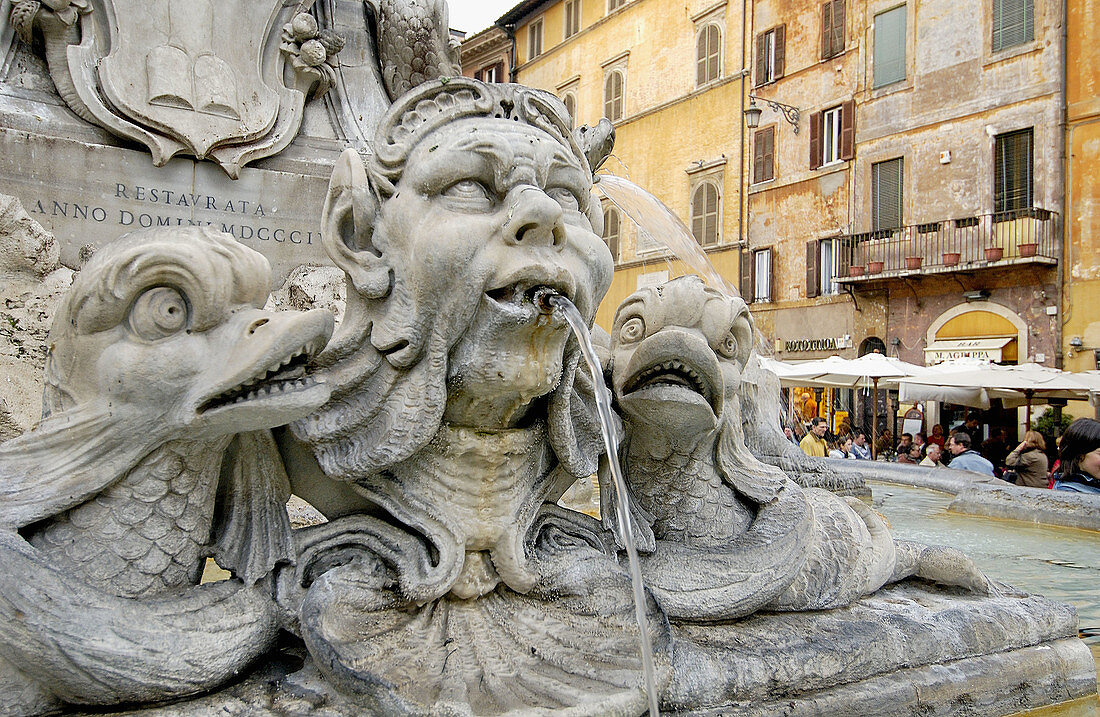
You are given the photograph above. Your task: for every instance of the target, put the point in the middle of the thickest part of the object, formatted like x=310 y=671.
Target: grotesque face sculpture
x=478 y=197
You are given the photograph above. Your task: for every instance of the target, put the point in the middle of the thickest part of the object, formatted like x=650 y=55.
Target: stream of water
x=622 y=509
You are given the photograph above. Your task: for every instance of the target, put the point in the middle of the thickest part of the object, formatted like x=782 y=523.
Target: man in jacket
x=813 y=443
x=964 y=458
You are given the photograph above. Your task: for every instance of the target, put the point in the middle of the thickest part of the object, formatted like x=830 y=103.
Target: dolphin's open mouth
x=282 y=377
x=670 y=373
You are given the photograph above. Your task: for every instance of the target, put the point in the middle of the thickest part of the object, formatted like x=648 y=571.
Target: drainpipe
x=742 y=200
x=1064 y=191
x=510 y=31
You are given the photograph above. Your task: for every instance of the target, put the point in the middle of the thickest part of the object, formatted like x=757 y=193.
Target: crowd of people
x=1076 y=466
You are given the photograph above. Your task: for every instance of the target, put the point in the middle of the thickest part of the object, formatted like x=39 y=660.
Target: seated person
x=932 y=456
x=1079 y=453
x=964 y=458
x=1029 y=460
x=842 y=449
x=813 y=444
x=860 y=449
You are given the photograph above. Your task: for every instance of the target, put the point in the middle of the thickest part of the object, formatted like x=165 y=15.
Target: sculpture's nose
x=535 y=219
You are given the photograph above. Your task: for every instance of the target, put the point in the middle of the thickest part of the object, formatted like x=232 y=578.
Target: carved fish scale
x=688 y=499
x=149 y=532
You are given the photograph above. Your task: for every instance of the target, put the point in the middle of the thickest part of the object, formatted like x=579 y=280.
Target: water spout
x=550 y=300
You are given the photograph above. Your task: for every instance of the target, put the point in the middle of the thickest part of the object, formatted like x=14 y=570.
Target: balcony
x=984 y=241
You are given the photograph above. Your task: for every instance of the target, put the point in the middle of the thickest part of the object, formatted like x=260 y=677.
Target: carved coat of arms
x=224 y=80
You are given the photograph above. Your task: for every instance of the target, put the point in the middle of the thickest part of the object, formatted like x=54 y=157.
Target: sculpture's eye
x=728 y=345
x=565 y=197
x=632 y=330
x=159 y=312
x=467 y=189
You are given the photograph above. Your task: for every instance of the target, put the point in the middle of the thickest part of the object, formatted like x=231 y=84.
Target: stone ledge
x=930 y=650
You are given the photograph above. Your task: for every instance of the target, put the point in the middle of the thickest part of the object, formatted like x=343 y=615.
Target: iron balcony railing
x=964 y=244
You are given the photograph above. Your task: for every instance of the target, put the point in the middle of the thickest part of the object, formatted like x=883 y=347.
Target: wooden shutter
x=748 y=285
x=815 y=140
x=769 y=153
x=761 y=78
x=813 y=259
x=780 y=50
x=848 y=130
x=886 y=194
x=827 y=30
x=758 y=155
x=838 y=27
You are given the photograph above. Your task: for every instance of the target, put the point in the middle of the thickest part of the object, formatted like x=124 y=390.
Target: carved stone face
x=487 y=212
x=677 y=352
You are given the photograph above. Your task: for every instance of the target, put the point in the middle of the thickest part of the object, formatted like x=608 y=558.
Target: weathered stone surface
x=909 y=649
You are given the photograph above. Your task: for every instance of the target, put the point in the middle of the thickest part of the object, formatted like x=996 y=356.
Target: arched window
x=612 y=230
x=705 y=213
x=708 y=53
x=570 y=102
x=613 y=96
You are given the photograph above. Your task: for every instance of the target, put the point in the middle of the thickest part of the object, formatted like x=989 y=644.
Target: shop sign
x=829 y=344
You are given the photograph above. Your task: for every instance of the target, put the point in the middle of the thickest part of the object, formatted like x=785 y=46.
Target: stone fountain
x=436 y=429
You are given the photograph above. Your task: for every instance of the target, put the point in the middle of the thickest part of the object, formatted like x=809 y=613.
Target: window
x=770 y=54
x=534 y=39
x=825 y=260
x=572 y=17
x=615 y=4
x=612 y=231
x=890 y=47
x=708 y=52
x=763 y=154
x=1013 y=171
x=833 y=135
x=493 y=73
x=1013 y=23
x=756 y=275
x=570 y=102
x=704 y=213
x=832 y=29
x=613 y=96
x=886 y=194
x=762 y=275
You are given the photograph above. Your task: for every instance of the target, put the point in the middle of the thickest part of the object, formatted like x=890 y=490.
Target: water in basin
x=1059 y=563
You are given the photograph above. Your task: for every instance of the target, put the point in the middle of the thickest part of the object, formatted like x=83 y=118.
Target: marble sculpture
x=436 y=431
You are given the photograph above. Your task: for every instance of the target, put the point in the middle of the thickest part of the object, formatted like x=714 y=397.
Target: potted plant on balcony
x=913 y=262
x=1028 y=248
x=951 y=258
x=874 y=267
x=994 y=253
x=855 y=270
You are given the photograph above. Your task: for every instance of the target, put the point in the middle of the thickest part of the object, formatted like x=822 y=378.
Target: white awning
x=948 y=349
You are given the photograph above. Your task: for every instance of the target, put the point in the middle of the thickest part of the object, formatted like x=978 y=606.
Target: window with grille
x=889 y=48
x=572 y=17
x=705 y=213
x=708 y=53
x=763 y=154
x=612 y=231
x=886 y=194
x=1013 y=23
x=570 y=102
x=771 y=52
x=762 y=275
x=613 y=96
x=1013 y=171
x=832 y=29
x=534 y=39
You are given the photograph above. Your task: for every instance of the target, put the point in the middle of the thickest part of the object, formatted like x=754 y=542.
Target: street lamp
x=752 y=112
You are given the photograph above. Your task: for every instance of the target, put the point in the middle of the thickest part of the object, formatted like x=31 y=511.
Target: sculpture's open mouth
x=672 y=373
x=519 y=296
x=282 y=376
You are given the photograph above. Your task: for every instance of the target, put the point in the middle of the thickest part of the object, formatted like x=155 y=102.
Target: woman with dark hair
x=1079 y=453
x=1029 y=461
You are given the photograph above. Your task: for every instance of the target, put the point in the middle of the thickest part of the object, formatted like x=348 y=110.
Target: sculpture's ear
x=595 y=212
x=347 y=224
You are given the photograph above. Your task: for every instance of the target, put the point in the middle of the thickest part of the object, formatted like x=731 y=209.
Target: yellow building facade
x=1081 y=283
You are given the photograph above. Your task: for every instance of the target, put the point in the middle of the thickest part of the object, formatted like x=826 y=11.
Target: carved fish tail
x=414 y=44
